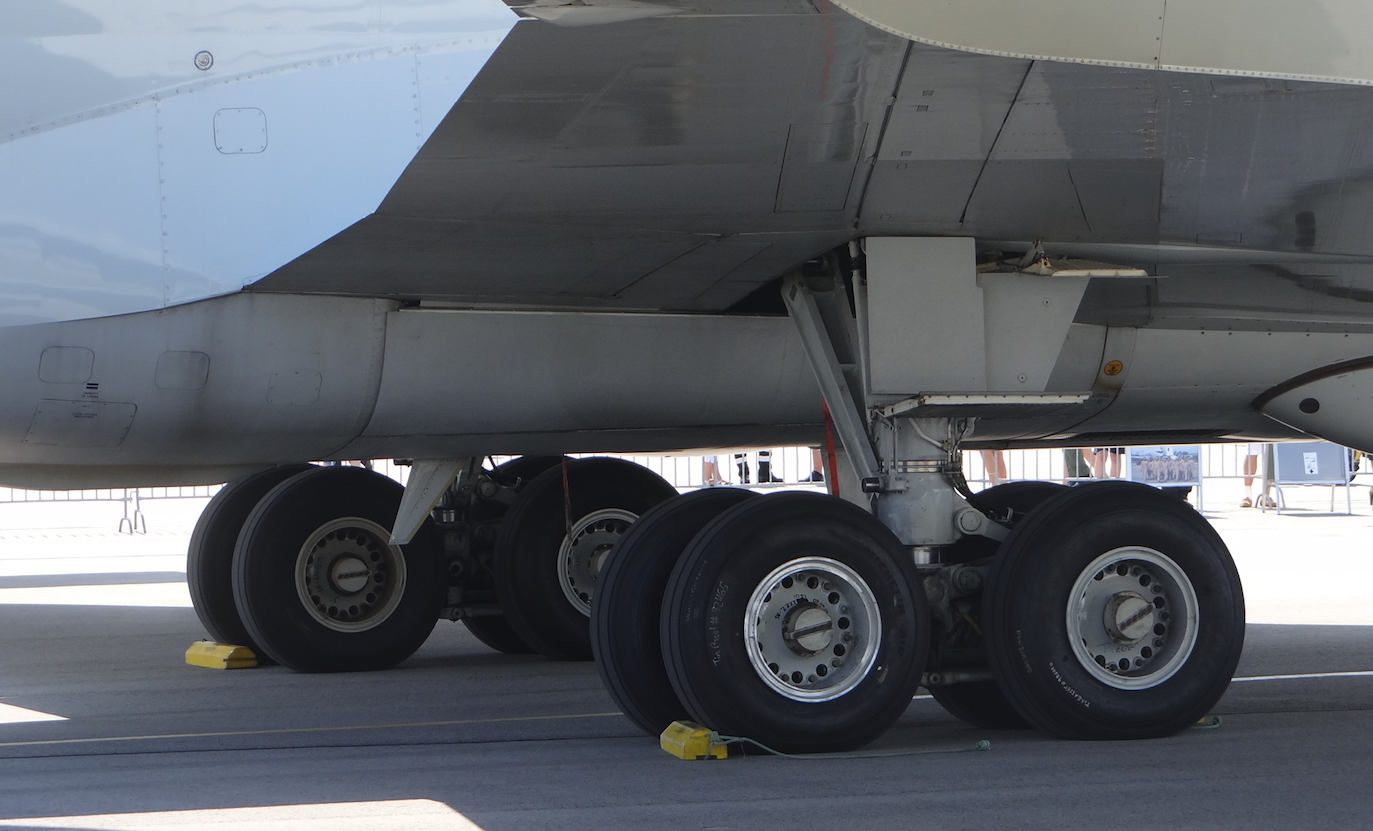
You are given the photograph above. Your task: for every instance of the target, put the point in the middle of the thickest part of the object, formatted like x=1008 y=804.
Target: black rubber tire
x=210 y=555
x=627 y=607
x=525 y=562
x=981 y=703
x=703 y=623
x=1026 y=602
x=495 y=630
x=264 y=574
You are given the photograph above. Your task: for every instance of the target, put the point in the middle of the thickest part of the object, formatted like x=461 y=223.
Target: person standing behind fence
x=741 y=462
x=1097 y=458
x=1256 y=467
x=765 y=474
x=817 y=467
x=710 y=471
x=994 y=463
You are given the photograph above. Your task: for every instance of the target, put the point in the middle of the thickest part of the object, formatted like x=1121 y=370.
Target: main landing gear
x=294 y=563
x=1111 y=611
x=806 y=622
x=298 y=562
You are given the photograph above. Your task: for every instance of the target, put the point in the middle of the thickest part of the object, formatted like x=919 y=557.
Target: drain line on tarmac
x=297 y=730
x=1305 y=676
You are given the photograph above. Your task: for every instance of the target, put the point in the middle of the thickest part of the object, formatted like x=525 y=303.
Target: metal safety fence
x=1223 y=467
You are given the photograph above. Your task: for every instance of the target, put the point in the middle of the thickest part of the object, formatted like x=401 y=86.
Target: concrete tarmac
x=460 y=737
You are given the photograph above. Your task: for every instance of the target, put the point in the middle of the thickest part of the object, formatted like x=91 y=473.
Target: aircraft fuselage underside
x=195 y=392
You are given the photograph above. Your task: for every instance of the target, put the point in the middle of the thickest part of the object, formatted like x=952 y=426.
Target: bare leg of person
x=1251 y=466
x=710 y=472
x=995 y=467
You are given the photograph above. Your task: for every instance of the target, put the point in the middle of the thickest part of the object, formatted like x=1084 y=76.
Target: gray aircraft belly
x=681 y=163
x=677 y=163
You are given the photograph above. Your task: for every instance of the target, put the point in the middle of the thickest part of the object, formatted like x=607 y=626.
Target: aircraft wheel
x=1114 y=612
x=495 y=630
x=545 y=576
x=797 y=620
x=627 y=605
x=210 y=556
x=320 y=588
x=981 y=703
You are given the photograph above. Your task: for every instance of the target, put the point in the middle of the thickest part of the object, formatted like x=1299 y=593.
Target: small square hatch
x=241 y=130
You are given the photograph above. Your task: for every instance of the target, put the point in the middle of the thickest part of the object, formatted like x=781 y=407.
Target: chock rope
x=717 y=740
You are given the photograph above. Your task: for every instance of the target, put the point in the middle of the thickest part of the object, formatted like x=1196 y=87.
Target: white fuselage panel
x=155 y=153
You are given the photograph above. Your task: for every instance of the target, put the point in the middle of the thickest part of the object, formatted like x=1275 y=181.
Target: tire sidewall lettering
x=714 y=619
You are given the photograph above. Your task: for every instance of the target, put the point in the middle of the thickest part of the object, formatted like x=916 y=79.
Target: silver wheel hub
x=812 y=629
x=583 y=552
x=1132 y=618
x=348 y=577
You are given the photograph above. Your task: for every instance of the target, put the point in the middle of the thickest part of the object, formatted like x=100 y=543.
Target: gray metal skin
x=681 y=163
x=520 y=289
x=281 y=377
